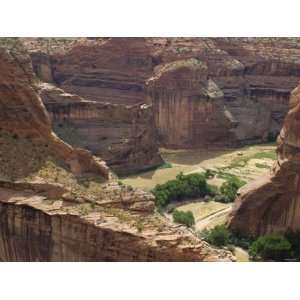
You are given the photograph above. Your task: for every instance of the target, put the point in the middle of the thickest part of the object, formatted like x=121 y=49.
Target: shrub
x=183 y=187
x=271 y=247
x=229 y=189
x=212 y=190
x=218 y=236
x=182 y=217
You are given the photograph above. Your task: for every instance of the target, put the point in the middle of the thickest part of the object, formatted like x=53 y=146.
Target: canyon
x=200 y=92
x=77 y=113
x=62 y=203
x=271 y=203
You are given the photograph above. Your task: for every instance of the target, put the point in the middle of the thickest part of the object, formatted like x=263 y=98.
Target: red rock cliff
x=272 y=204
x=23 y=113
x=255 y=76
x=51 y=214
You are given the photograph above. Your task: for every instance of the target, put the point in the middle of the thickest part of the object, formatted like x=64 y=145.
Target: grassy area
x=15 y=151
x=203 y=210
x=228 y=162
x=52 y=172
x=243 y=160
x=40 y=165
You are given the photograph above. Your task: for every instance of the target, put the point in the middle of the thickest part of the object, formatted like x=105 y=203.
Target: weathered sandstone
x=23 y=113
x=54 y=206
x=252 y=80
x=122 y=135
x=36 y=228
x=271 y=204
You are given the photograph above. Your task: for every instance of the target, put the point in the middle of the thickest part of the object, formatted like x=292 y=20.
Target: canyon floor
x=247 y=163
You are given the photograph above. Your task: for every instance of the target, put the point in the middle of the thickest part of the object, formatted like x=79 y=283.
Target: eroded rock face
x=34 y=227
x=188 y=106
x=123 y=135
x=23 y=113
x=271 y=204
x=49 y=213
x=109 y=76
x=255 y=77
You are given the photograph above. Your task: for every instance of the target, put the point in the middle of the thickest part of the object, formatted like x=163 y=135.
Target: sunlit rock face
x=60 y=203
x=271 y=204
x=107 y=76
x=238 y=96
x=255 y=77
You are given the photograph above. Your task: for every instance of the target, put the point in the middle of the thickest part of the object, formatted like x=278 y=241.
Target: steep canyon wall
x=271 y=204
x=238 y=96
x=60 y=203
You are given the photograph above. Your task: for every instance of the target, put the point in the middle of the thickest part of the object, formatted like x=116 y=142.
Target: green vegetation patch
x=228 y=189
x=193 y=186
x=218 y=236
x=183 y=187
x=271 y=247
x=242 y=161
x=185 y=218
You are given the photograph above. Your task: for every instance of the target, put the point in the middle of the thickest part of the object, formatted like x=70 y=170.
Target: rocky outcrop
x=50 y=213
x=108 y=75
x=34 y=227
x=254 y=75
x=23 y=113
x=104 y=70
x=123 y=135
x=271 y=204
x=188 y=106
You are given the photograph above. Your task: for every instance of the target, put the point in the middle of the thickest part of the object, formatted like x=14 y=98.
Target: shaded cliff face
x=124 y=136
x=23 y=113
x=49 y=213
x=255 y=76
x=271 y=204
x=108 y=75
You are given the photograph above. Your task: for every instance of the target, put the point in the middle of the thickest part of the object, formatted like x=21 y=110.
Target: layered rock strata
x=123 y=135
x=23 y=113
x=271 y=204
x=255 y=77
x=50 y=213
x=36 y=227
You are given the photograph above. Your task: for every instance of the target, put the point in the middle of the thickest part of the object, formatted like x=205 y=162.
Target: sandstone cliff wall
x=271 y=204
x=34 y=227
x=110 y=75
x=123 y=135
x=23 y=113
x=52 y=212
x=254 y=75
